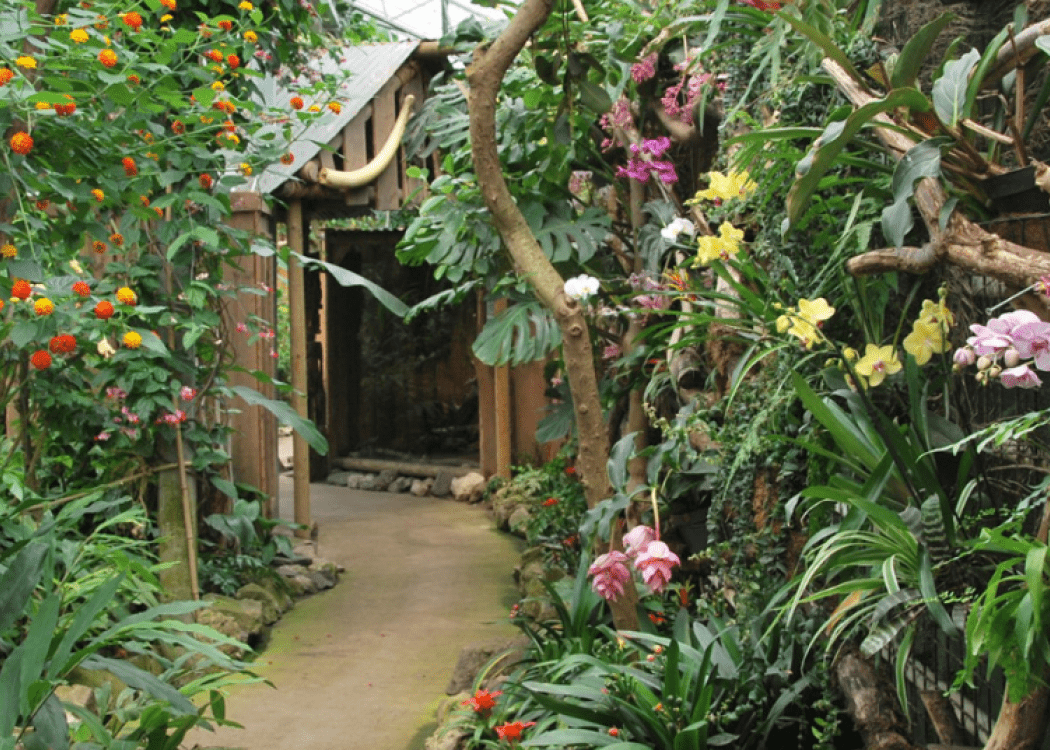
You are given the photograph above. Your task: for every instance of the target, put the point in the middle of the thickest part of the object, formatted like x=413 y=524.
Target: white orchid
x=677 y=227
x=581 y=287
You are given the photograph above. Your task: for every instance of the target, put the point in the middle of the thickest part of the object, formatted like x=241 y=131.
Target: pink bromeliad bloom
x=656 y=562
x=638 y=539
x=609 y=574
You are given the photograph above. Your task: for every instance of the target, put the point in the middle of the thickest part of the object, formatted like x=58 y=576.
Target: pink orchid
x=1032 y=340
x=656 y=563
x=609 y=574
x=1021 y=376
x=638 y=539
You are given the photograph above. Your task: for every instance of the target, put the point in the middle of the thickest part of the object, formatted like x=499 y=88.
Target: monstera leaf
x=524 y=332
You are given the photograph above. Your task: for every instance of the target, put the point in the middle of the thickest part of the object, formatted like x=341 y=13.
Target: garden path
x=364 y=664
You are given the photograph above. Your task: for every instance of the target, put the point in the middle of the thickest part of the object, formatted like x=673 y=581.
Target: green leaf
x=594 y=97
x=949 y=91
x=348 y=278
x=52 y=731
x=286 y=415
x=19 y=581
x=826 y=44
x=140 y=679
x=827 y=150
x=25 y=331
x=618 y=458
x=916 y=50
x=897 y=221
x=84 y=619
x=524 y=332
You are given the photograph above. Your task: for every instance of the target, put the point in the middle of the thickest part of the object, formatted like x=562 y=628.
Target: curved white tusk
x=368 y=173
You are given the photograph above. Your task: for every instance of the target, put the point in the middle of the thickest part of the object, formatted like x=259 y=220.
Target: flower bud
x=994 y=370
x=983 y=363
x=1011 y=358
x=964 y=357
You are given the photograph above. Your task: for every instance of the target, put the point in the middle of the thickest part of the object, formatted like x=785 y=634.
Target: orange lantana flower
x=21 y=143
x=108 y=58
x=21 y=289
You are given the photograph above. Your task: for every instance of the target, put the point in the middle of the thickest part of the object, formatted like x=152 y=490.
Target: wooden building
x=366 y=379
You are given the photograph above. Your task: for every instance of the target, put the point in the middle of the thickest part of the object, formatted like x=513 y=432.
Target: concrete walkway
x=365 y=664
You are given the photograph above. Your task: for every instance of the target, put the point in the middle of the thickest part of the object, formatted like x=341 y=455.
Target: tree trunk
x=485 y=75
x=871 y=704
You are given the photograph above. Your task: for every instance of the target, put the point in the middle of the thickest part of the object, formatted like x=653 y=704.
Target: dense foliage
x=705 y=173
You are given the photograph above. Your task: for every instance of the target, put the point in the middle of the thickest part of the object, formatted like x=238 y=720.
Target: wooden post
x=254 y=445
x=504 y=433
x=297 y=314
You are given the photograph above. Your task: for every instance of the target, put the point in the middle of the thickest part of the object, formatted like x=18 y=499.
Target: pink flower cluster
x=1008 y=347
x=651 y=557
x=644 y=69
x=619 y=117
x=646 y=161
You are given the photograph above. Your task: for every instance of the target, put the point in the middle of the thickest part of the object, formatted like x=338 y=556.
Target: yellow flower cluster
x=722 y=247
x=723 y=187
x=929 y=333
x=804 y=323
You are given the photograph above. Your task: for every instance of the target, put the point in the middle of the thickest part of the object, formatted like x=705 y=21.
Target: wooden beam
x=297 y=313
x=504 y=432
x=408 y=468
x=388 y=196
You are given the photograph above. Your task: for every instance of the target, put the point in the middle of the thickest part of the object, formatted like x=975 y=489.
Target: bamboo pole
x=297 y=313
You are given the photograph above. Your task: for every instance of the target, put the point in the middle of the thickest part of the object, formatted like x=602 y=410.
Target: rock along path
x=364 y=664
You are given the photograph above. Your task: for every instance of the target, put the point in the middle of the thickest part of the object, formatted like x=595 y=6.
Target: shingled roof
x=370 y=65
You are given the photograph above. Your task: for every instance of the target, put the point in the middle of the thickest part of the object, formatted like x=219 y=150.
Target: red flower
x=206 y=181
x=104 y=310
x=65 y=110
x=225 y=24
x=42 y=204
x=21 y=289
x=82 y=288
x=550 y=501
x=296 y=102
x=178 y=128
x=169 y=4
x=134 y=79
x=130 y=169
x=21 y=143
x=40 y=359
x=512 y=731
x=214 y=55
x=99 y=247
x=287 y=158
x=570 y=470
x=6 y=74
x=108 y=58
x=233 y=61
x=614 y=732
x=63 y=344
x=117 y=239
x=132 y=20
x=483 y=701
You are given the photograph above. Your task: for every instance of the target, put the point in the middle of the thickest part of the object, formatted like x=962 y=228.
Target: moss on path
x=363 y=664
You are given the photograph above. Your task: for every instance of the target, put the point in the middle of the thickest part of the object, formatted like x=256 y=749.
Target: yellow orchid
x=722 y=247
x=937 y=312
x=877 y=363
x=926 y=339
x=724 y=187
x=815 y=311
